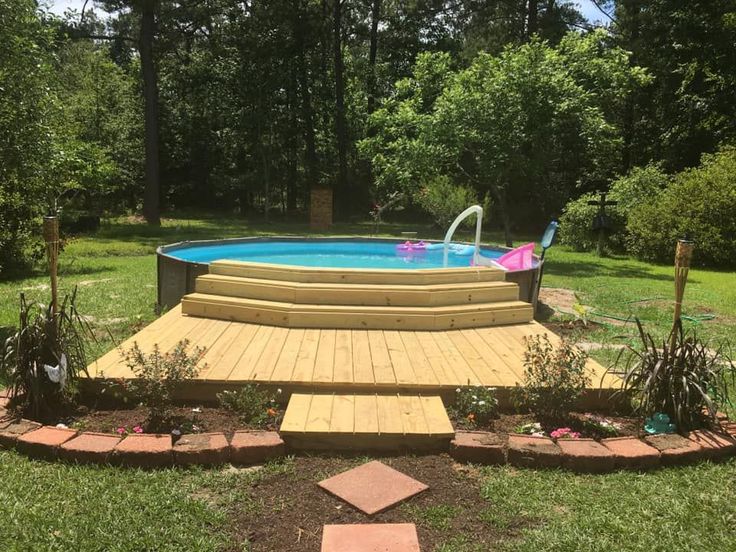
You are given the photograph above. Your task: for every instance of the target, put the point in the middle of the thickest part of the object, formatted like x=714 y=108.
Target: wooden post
x=51 y=237
x=683 y=256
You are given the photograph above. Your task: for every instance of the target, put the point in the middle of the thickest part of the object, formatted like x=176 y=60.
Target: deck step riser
x=353 y=276
x=302 y=316
x=358 y=294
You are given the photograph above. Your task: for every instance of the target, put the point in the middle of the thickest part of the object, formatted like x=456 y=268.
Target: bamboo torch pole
x=683 y=256
x=51 y=237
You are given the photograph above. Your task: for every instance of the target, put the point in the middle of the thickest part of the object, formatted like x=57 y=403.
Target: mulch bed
x=292 y=509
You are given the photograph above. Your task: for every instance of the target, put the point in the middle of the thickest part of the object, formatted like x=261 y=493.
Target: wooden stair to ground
x=366 y=421
x=303 y=297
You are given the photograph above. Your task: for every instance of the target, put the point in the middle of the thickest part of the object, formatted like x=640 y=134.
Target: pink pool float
x=411 y=247
x=520 y=258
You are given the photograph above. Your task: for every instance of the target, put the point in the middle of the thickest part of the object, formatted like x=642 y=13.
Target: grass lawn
x=57 y=507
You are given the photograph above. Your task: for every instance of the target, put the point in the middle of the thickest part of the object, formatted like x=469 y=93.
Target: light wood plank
x=389 y=415
x=500 y=373
x=366 y=414
x=297 y=412
x=443 y=370
x=383 y=371
x=239 y=345
x=342 y=419
x=423 y=372
x=438 y=423
x=324 y=364
x=343 y=371
x=247 y=365
x=454 y=357
x=320 y=414
x=412 y=415
x=270 y=356
x=362 y=361
x=287 y=359
x=399 y=359
x=304 y=366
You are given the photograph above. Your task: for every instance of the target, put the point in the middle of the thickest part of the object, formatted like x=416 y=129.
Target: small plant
x=477 y=405
x=159 y=374
x=554 y=378
x=255 y=406
x=682 y=377
x=41 y=361
x=600 y=426
x=564 y=433
x=532 y=428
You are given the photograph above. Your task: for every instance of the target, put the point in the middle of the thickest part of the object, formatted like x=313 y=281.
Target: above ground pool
x=179 y=264
x=328 y=254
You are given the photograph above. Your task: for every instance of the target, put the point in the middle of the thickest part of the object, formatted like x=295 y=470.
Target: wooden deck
x=360 y=360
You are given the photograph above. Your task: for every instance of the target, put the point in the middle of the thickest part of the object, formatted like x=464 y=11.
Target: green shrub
x=683 y=377
x=255 y=406
x=700 y=203
x=642 y=184
x=444 y=201
x=159 y=374
x=476 y=405
x=41 y=361
x=554 y=378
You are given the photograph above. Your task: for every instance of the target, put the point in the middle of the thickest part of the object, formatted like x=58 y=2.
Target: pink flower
x=564 y=433
x=138 y=429
x=121 y=430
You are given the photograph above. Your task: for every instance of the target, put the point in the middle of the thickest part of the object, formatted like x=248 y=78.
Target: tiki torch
x=51 y=237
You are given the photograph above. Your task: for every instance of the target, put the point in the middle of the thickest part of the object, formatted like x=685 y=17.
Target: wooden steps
x=355 y=276
x=325 y=293
x=366 y=421
x=295 y=315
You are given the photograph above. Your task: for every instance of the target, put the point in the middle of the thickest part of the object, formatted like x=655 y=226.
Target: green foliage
x=444 y=201
x=476 y=405
x=256 y=406
x=554 y=377
x=42 y=360
x=641 y=185
x=701 y=204
x=159 y=375
x=682 y=376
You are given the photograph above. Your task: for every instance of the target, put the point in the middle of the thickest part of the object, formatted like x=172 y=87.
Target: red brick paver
x=89 y=447
x=479 y=447
x=10 y=430
x=372 y=487
x=203 y=448
x=533 y=452
x=714 y=445
x=144 y=450
x=675 y=449
x=630 y=452
x=44 y=441
x=388 y=537
x=585 y=455
x=254 y=447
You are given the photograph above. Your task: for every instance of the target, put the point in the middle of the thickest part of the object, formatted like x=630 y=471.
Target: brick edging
x=589 y=456
x=139 y=450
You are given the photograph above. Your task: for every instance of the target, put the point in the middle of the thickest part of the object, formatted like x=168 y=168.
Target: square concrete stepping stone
x=388 y=537
x=372 y=487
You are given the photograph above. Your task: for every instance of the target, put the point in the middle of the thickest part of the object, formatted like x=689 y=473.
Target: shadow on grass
x=618 y=269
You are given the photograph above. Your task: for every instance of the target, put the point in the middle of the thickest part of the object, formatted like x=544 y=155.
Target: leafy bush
x=159 y=374
x=681 y=377
x=41 y=361
x=700 y=203
x=255 y=405
x=444 y=200
x=478 y=405
x=642 y=184
x=554 y=378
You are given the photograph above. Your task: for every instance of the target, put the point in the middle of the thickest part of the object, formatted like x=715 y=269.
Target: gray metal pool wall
x=176 y=278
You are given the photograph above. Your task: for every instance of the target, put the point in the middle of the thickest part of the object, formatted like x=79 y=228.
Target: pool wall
x=176 y=278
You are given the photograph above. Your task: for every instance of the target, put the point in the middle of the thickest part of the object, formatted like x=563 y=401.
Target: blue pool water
x=324 y=253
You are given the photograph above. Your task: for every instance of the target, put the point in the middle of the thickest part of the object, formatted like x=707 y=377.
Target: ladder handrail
x=473 y=209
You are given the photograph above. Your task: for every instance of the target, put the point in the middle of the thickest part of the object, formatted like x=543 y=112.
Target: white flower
x=475 y=398
x=278 y=391
x=62 y=426
x=457 y=390
x=57 y=374
x=196 y=409
x=481 y=403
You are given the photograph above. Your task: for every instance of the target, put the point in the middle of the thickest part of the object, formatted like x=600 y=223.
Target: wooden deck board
x=383 y=360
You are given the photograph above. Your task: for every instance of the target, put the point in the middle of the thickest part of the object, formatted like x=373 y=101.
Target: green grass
x=58 y=507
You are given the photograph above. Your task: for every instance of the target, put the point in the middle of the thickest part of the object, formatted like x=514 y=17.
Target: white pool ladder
x=474 y=209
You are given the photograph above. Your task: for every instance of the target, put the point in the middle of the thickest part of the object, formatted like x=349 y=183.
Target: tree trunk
x=341 y=187
x=375 y=17
x=151 y=196
x=531 y=22
x=310 y=161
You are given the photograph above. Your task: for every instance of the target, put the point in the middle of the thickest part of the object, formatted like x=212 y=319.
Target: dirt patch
x=573 y=329
x=558 y=298
x=287 y=512
x=187 y=419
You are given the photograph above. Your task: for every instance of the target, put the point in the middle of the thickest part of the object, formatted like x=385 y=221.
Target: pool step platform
x=306 y=297
x=315 y=421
